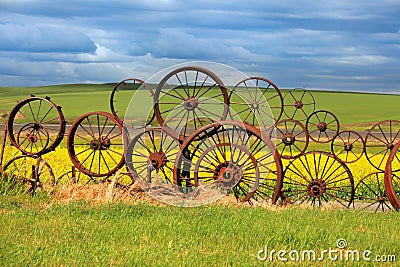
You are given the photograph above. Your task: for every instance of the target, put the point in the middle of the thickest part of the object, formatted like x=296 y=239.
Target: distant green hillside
x=351 y=108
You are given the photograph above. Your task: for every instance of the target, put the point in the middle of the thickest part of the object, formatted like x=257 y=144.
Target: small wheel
x=322 y=126
x=392 y=178
x=379 y=142
x=290 y=138
x=188 y=96
x=95 y=144
x=29 y=173
x=231 y=157
x=256 y=101
x=317 y=178
x=36 y=126
x=298 y=104
x=74 y=176
x=348 y=146
x=121 y=94
x=370 y=191
x=150 y=158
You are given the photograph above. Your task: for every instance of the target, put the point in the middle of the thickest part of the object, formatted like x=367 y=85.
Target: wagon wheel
x=119 y=93
x=36 y=126
x=317 y=178
x=392 y=178
x=29 y=173
x=150 y=158
x=370 y=191
x=298 y=104
x=188 y=98
x=322 y=126
x=95 y=144
x=73 y=176
x=231 y=157
x=348 y=146
x=257 y=101
x=379 y=142
x=291 y=138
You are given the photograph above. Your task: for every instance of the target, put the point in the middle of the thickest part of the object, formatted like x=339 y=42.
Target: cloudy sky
x=334 y=45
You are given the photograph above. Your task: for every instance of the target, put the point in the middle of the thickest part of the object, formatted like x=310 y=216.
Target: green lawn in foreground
x=351 y=108
x=41 y=232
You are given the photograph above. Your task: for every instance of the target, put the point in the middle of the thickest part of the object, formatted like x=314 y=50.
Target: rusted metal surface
x=322 y=126
x=392 y=177
x=257 y=101
x=232 y=156
x=298 y=103
x=95 y=149
x=316 y=178
x=291 y=138
x=373 y=197
x=188 y=98
x=380 y=141
x=129 y=84
x=36 y=126
x=348 y=146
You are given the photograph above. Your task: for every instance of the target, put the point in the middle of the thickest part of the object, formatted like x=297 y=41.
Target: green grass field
x=354 y=110
x=37 y=231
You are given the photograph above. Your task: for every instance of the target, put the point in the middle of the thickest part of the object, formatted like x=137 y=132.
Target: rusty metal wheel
x=298 y=104
x=392 y=178
x=317 y=178
x=290 y=138
x=256 y=101
x=36 y=126
x=121 y=94
x=231 y=157
x=95 y=144
x=371 y=194
x=189 y=97
x=379 y=142
x=322 y=126
x=150 y=157
x=29 y=173
x=348 y=146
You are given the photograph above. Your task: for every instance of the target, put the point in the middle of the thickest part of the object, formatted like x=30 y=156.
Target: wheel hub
x=298 y=104
x=390 y=145
x=254 y=105
x=191 y=103
x=102 y=143
x=288 y=139
x=227 y=175
x=316 y=188
x=32 y=137
x=322 y=126
x=157 y=159
x=348 y=146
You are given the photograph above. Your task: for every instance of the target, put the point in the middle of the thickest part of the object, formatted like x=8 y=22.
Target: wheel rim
x=188 y=98
x=291 y=138
x=260 y=179
x=317 y=178
x=32 y=172
x=257 y=101
x=133 y=85
x=380 y=141
x=392 y=178
x=95 y=144
x=298 y=104
x=348 y=146
x=36 y=126
x=150 y=153
x=322 y=126
x=371 y=190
